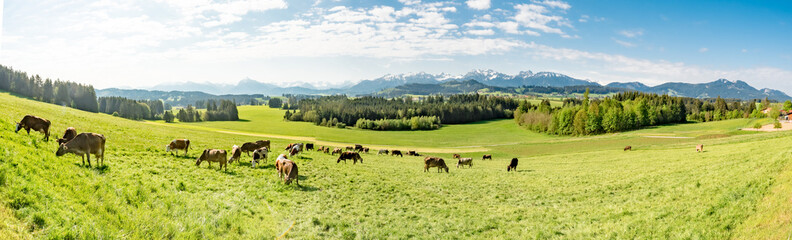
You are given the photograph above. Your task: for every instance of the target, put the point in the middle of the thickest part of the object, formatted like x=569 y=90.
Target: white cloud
x=703 y=50
x=538 y=17
x=623 y=43
x=631 y=33
x=481 y=32
x=554 y=4
x=218 y=14
x=478 y=4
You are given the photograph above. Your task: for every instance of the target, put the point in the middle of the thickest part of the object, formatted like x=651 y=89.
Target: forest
x=631 y=110
x=132 y=109
x=64 y=93
x=454 y=109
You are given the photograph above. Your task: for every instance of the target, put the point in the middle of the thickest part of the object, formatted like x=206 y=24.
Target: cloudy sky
x=143 y=43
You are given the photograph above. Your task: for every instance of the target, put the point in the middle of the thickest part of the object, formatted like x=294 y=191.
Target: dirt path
x=466 y=149
x=785 y=126
x=671 y=137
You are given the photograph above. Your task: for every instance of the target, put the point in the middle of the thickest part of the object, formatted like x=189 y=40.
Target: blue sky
x=329 y=42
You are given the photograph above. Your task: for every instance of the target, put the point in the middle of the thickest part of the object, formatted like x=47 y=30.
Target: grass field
x=566 y=188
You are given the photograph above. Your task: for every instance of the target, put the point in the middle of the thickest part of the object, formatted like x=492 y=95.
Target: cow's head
x=201 y=158
x=167 y=148
x=18 y=126
x=62 y=149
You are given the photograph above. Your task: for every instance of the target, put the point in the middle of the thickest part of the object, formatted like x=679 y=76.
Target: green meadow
x=565 y=187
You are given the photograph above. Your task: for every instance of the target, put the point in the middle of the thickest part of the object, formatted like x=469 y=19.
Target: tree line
x=454 y=109
x=132 y=109
x=621 y=112
x=64 y=93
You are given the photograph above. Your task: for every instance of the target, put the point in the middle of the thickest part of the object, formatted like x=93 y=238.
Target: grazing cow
x=85 y=144
x=260 y=153
x=213 y=155
x=176 y=144
x=358 y=147
x=320 y=149
x=236 y=154
x=465 y=161
x=68 y=135
x=700 y=148
x=396 y=152
x=628 y=148
x=383 y=151
x=430 y=162
x=365 y=150
x=326 y=150
x=249 y=147
x=488 y=156
x=287 y=170
x=36 y=123
x=297 y=148
x=309 y=146
x=350 y=148
x=512 y=165
x=336 y=150
x=350 y=155
x=411 y=153
x=457 y=156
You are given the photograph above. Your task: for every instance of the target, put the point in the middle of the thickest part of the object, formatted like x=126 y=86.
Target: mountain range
x=721 y=87
x=425 y=83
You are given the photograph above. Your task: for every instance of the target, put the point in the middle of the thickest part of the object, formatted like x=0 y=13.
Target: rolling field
x=566 y=187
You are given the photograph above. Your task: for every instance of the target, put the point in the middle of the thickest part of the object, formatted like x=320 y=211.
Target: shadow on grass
x=307 y=188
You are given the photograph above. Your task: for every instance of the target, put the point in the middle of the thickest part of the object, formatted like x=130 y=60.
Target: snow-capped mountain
x=721 y=87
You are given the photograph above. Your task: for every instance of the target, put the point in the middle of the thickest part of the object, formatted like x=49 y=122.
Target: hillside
x=722 y=87
x=737 y=188
x=175 y=98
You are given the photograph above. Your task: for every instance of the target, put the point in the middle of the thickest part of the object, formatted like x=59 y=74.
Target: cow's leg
x=83 y=159
x=88 y=156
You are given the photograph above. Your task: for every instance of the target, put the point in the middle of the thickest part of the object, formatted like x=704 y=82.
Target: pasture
x=565 y=187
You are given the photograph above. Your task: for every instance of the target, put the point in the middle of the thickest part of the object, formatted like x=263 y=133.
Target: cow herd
x=87 y=144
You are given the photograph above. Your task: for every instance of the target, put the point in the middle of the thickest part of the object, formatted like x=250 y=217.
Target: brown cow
x=320 y=149
x=326 y=150
x=236 y=154
x=249 y=147
x=85 y=144
x=350 y=148
x=358 y=147
x=457 y=155
x=465 y=161
x=213 y=155
x=287 y=170
x=260 y=153
x=628 y=148
x=309 y=146
x=178 y=144
x=68 y=135
x=36 y=123
x=700 y=148
x=512 y=165
x=488 y=156
x=396 y=152
x=383 y=151
x=430 y=162
x=412 y=153
x=336 y=150
x=350 y=155
x=365 y=150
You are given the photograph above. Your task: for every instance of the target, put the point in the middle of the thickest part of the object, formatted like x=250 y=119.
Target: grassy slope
x=662 y=190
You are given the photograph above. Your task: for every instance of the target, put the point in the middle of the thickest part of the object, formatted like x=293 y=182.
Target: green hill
x=572 y=188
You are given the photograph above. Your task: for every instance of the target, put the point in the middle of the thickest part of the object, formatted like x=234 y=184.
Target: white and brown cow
x=465 y=161
x=236 y=154
x=259 y=155
x=85 y=144
x=178 y=144
x=36 y=123
x=249 y=147
x=287 y=170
